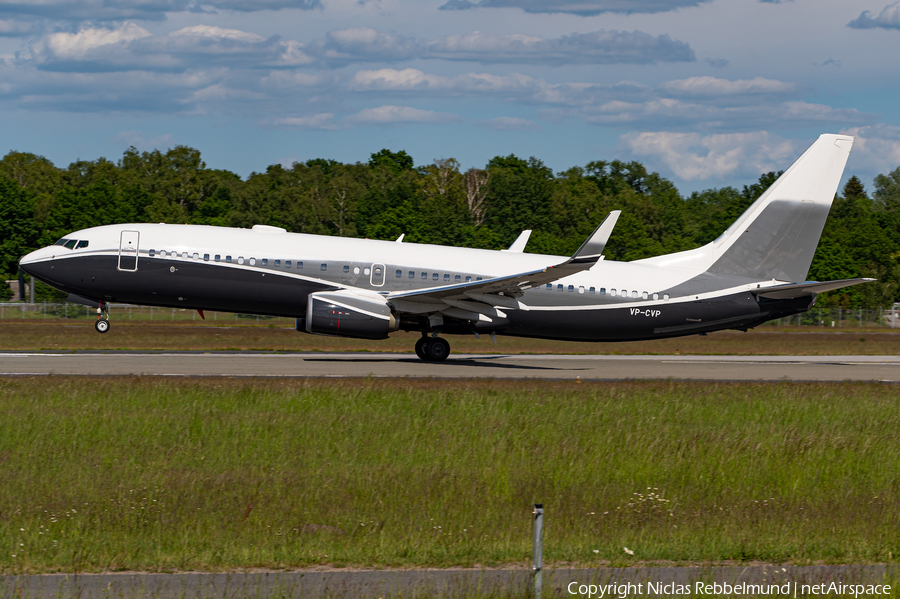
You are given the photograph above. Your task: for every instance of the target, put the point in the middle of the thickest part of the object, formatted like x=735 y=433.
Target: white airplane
x=754 y=272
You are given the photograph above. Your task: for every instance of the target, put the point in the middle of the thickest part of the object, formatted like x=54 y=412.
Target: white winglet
x=519 y=244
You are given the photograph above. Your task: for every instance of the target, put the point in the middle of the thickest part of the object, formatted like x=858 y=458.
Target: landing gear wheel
x=437 y=349
x=102 y=325
x=420 y=348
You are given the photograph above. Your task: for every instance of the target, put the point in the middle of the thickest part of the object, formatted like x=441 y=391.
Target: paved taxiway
x=585 y=367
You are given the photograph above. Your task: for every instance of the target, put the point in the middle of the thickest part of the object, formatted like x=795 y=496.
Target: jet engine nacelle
x=348 y=313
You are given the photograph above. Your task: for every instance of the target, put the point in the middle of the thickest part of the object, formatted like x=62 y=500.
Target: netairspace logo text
x=788 y=589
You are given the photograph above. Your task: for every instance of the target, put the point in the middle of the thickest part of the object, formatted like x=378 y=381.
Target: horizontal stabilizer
x=805 y=289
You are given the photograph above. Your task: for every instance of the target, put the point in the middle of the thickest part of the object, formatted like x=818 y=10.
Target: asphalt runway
x=497 y=366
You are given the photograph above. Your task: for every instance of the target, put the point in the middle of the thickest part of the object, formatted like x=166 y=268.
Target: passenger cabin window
x=655 y=296
x=603 y=291
x=612 y=292
x=206 y=257
x=645 y=295
x=571 y=288
x=300 y=264
x=240 y=259
x=634 y=295
x=265 y=261
x=277 y=263
x=434 y=276
x=477 y=278
x=346 y=268
x=559 y=287
x=81 y=244
x=581 y=289
x=665 y=297
x=398 y=274
x=252 y=261
x=228 y=259
x=412 y=274
x=218 y=257
x=424 y=276
x=468 y=279
x=287 y=263
x=151 y=253
x=592 y=291
x=457 y=279
x=446 y=278
x=196 y=256
x=549 y=286
x=162 y=253
x=323 y=267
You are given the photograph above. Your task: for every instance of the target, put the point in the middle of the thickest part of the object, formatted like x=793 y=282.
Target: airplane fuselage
x=268 y=271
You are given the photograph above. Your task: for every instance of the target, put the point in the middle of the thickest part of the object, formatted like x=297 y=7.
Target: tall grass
x=107 y=473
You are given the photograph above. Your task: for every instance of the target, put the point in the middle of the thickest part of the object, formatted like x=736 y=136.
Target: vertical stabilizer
x=777 y=236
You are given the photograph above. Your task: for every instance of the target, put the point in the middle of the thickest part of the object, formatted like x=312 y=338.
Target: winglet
x=593 y=247
x=519 y=244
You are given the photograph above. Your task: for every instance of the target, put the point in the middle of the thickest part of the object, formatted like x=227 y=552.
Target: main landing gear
x=102 y=324
x=432 y=349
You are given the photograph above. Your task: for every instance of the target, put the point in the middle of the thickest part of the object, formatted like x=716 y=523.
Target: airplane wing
x=483 y=297
x=805 y=289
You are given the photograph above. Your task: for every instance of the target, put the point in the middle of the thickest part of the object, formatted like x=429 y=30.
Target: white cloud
x=416 y=80
x=15 y=27
x=78 y=45
x=382 y=115
x=693 y=157
x=584 y=8
x=398 y=115
x=888 y=18
x=508 y=123
x=876 y=148
x=670 y=112
x=365 y=44
x=597 y=47
x=711 y=87
x=131 y=47
x=148 y=10
x=324 y=120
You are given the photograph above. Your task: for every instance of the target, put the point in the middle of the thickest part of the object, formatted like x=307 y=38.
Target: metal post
x=31 y=291
x=538 y=549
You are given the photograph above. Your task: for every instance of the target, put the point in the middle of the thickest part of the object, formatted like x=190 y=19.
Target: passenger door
x=128 y=250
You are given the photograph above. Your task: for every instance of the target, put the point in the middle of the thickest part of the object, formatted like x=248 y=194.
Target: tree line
x=435 y=203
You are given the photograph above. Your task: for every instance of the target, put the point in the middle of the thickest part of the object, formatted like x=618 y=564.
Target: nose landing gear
x=102 y=324
x=432 y=349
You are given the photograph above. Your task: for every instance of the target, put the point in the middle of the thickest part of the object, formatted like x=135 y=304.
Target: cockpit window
x=62 y=241
x=70 y=244
x=82 y=244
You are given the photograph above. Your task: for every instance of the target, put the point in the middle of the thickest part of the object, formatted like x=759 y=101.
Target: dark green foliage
x=436 y=203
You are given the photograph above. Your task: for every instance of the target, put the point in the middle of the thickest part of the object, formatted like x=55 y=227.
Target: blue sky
x=706 y=92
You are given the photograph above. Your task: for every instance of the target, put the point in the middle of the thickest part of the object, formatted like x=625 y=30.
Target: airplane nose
x=29 y=262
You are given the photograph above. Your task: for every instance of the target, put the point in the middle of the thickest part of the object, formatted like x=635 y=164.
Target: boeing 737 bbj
x=754 y=272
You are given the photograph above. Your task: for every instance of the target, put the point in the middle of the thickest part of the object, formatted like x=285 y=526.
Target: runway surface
x=565 y=367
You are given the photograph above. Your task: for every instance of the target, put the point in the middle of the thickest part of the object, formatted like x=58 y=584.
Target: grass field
x=160 y=475
x=187 y=335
